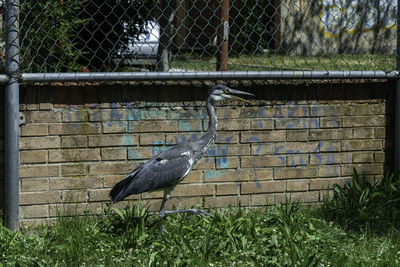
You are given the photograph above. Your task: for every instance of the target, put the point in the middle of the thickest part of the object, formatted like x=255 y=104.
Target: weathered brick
x=226 y=175
x=206 y=163
x=77 y=129
x=152 y=139
x=354 y=145
x=36 y=156
x=263 y=187
x=380 y=132
x=303 y=197
x=226 y=201
x=103 y=195
x=38 y=171
x=117 y=127
x=296 y=123
x=301 y=185
x=34 y=129
x=331 y=122
x=264 y=136
x=330 y=134
x=74 y=141
x=74 y=196
x=75 y=155
x=364 y=156
x=153 y=126
x=297 y=135
x=379 y=156
x=329 y=171
x=261 y=149
x=228 y=113
x=74 y=183
x=39 y=198
x=45 y=106
x=227 y=189
x=261 y=161
x=363 y=133
x=190 y=125
x=75 y=209
x=35 y=211
x=195 y=176
x=330 y=146
x=294 y=173
x=174 y=138
x=329 y=158
x=110 y=181
x=295 y=147
x=113 y=153
x=144 y=152
x=30 y=185
x=227 y=162
x=228 y=150
x=113 y=140
x=73 y=170
x=39 y=142
x=361 y=109
x=193 y=190
x=42 y=117
x=31 y=106
x=233 y=125
x=77 y=115
x=363 y=169
x=326 y=183
x=262 y=124
x=111 y=168
x=227 y=138
x=367 y=121
x=262 y=199
x=262 y=174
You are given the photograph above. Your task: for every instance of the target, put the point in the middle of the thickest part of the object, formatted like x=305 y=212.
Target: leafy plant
x=365 y=205
x=47 y=29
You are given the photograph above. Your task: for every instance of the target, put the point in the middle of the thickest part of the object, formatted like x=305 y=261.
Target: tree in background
x=46 y=30
x=109 y=25
x=70 y=35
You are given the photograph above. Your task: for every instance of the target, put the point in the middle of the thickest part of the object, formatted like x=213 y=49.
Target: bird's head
x=221 y=92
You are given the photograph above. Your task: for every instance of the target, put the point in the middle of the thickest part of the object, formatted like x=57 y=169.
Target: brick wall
x=80 y=140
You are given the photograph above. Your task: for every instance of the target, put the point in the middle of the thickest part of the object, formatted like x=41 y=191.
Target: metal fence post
x=397 y=101
x=12 y=116
x=223 y=36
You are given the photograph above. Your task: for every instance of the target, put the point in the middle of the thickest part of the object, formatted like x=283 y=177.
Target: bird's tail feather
x=117 y=193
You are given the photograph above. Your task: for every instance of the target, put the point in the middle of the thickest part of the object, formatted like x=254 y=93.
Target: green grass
x=282 y=235
x=359 y=226
x=270 y=62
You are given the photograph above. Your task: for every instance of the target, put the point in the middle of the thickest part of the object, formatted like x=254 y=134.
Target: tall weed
x=365 y=205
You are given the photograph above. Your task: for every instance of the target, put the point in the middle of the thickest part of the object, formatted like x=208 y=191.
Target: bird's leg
x=167 y=194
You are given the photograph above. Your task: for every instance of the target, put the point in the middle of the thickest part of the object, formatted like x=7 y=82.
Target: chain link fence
x=206 y=35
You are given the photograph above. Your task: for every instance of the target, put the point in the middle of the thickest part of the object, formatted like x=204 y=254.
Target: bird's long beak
x=232 y=93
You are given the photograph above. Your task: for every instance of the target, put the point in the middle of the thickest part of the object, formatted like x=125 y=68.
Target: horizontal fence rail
x=236 y=75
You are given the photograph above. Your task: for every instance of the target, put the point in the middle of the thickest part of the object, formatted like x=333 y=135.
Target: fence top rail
x=171 y=76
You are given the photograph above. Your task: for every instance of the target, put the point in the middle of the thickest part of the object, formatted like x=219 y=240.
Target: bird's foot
x=201 y=213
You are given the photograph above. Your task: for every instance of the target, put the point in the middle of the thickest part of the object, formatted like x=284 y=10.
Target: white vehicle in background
x=141 y=50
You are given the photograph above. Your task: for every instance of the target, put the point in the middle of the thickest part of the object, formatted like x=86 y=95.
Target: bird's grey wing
x=165 y=169
x=160 y=172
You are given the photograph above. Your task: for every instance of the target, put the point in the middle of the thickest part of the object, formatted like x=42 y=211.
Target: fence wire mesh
x=190 y=35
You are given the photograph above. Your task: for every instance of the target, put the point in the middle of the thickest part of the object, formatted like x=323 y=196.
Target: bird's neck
x=209 y=136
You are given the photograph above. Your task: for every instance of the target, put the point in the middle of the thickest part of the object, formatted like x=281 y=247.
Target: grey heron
x=168 y=168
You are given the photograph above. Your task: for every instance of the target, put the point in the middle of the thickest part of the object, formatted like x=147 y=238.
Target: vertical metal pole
x=12 y=116
x=397 y=103
x=223 y=36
